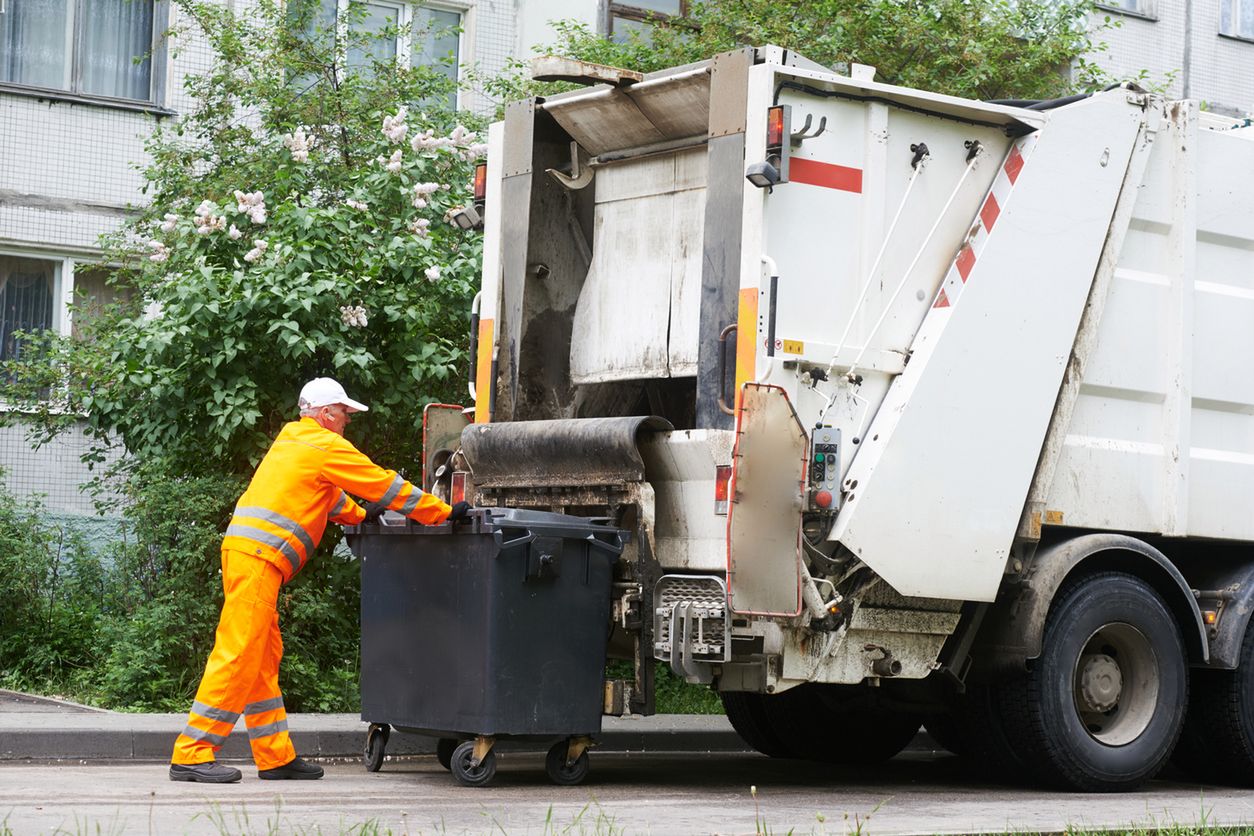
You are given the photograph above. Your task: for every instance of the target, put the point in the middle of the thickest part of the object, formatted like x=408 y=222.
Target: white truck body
x=1015 y=326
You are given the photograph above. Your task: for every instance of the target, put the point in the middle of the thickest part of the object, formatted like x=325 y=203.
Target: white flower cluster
x=419 y=227
x=169 y=222
x=259 y=248
x=393 y=163
x=356 y=204
x=207 y=220
x=421 y=192
x=298 y=143
x=160 y=252
x=433 y=273
x=394 y=127
x=428 y=141
x=353 y=317
x=252 y=204
x=234 y=233
x=460 y=141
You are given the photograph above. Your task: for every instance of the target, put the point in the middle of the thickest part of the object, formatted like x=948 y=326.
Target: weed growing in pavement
x=86 y=828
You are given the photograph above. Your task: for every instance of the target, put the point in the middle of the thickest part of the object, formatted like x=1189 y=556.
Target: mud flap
x=764 y=517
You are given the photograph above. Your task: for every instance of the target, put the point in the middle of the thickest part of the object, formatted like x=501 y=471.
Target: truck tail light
x=775 y=127
x=457 y=488
x=722 y=488
x=774 y=169
x=481 y=182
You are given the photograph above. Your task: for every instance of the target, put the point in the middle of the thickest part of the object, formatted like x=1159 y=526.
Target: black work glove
x=374 y=510
x=461 y=510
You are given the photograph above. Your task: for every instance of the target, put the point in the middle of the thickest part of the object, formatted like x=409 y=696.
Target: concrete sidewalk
x=42 y=729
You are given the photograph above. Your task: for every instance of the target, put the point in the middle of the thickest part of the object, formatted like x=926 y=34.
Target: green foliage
x=292 y=232
x=51 y=587
x=980 y=49
x=671 y=694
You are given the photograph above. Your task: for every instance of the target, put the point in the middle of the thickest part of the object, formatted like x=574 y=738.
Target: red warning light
x=722 y=487
x=775 y=126
x=481 y=181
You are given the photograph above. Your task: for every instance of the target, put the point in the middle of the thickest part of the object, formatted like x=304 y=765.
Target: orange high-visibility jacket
x=301 y=484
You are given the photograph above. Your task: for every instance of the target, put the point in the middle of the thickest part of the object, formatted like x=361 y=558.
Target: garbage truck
x=920 y=410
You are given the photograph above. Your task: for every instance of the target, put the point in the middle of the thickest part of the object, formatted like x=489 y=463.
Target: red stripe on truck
x=1014 y=164
x=990 y=212
x=966 y=260
x=827 y=175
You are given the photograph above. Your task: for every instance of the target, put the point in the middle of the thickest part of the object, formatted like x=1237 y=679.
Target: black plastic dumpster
x=488 y=629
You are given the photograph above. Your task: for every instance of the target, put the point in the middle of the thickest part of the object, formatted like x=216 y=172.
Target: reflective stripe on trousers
x=242 y=674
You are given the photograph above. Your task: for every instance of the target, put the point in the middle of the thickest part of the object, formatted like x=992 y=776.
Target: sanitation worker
x=303 y=482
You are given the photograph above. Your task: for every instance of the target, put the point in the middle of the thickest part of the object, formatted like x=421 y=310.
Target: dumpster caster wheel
x=444 y=748
x=472 y=776
x=563 y=773
x=376 y=746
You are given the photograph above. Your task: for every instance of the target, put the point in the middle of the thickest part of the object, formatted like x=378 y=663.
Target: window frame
x=629 y=11
x=1235 y=14
x=404 y=40
x=1145 y=10
x=155 y=103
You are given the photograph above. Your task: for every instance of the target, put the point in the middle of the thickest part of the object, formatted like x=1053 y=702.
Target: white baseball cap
x=324 y=391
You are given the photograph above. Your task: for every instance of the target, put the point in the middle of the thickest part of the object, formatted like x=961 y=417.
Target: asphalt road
x=656 y=794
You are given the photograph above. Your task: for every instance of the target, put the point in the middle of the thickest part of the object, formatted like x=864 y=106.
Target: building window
x=95 y=291
x=28 y=291
x=641 y=16
x=393 y=30
x=91 y=47
x=1236 y=18
x=1140 y=8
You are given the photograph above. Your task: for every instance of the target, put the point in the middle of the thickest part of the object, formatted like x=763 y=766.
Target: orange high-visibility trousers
x=242 y=674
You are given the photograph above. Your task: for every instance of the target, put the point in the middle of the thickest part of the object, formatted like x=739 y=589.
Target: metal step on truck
x=920 y=410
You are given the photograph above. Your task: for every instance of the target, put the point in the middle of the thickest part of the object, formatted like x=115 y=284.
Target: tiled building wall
x=53 y=473
x=1222 y=69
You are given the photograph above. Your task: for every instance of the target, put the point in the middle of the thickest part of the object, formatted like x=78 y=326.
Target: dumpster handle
x=614 y=548
x=502 y=543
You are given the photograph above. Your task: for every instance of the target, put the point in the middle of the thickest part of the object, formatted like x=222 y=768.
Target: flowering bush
x=297 y=228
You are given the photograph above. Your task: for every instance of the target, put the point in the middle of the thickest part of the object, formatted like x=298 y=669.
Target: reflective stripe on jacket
x=303 y=482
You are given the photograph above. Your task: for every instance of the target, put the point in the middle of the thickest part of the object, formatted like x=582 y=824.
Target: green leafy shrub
x=52 y=589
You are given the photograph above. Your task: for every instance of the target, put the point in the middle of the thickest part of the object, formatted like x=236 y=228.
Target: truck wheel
x=562 y=773
x=1217 y=744
x=986 y=745
x=832 y=724
x=1103 y=706
x=376 y=746
x=748 y=716
x=472 y=776
x=444 y=748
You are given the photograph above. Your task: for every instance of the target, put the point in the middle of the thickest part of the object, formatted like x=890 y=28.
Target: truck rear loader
x=920 y=410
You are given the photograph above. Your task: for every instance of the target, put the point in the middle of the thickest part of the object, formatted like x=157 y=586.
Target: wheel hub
x=1101 y=682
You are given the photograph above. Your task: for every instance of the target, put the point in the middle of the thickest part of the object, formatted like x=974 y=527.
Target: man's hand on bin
x=461 y=510
x=374 y=510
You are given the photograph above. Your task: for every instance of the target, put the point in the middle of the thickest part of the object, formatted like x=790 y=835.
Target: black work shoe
x=210 y=772
x=296 y=770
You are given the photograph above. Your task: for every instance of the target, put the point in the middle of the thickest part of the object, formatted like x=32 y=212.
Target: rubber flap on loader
x=573 y=451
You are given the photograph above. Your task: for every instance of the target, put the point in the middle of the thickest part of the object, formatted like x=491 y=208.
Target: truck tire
x=833 y=724
x=1102 y=707
x=1217 y=744
x=748 y=717
x=979 y=734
